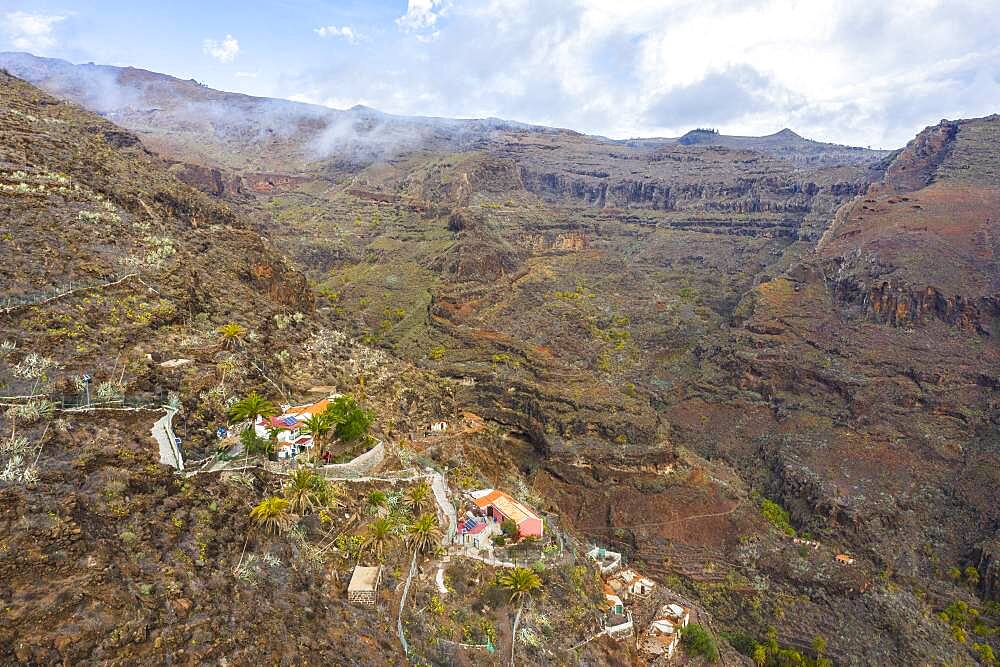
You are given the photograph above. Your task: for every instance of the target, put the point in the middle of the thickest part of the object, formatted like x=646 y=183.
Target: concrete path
x=440 y=487
x=439 y=580
x=169 y=453
x=402 y=605
x=489 y=560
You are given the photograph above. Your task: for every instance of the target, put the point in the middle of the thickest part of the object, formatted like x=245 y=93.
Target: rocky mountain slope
x=672 y=331
x=115 y=269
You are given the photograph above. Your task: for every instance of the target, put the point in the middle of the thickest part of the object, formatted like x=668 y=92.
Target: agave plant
x=377 y=502
x=232 y=335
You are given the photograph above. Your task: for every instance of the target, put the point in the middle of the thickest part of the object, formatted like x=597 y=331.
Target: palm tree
x=271 y=515
x=423 y=533
x=273 y=432
x=378 y=536
x=418 y=497
x=319 y=427
x=377 y=502
x=520 y=583
x=251 y=407
x=304 y=490
x=232 y=335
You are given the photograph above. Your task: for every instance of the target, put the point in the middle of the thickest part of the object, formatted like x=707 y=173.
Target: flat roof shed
x=363 y=588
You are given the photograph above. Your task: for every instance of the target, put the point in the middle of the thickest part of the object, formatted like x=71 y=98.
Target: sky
x=850 y=71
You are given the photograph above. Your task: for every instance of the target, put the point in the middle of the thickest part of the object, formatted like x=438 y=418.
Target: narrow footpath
x=163 y=432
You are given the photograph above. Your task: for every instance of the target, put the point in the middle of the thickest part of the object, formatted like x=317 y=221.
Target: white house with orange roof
x=291 y=440
x=618 y=617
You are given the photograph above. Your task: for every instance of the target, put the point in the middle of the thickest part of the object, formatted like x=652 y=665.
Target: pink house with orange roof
x=499 y=507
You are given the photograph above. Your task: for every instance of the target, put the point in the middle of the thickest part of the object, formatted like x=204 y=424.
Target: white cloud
x=31 y=32
x=224 y=51
x=247 y=75
x=850 y=71
x=343 y=32
x=429 y=37
x=422 y=14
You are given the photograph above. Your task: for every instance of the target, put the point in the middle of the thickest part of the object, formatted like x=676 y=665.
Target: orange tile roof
x=484 y=501
x=510 y=508
x=314 y=409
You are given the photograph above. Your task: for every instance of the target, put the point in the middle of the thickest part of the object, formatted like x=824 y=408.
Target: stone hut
x=363 y=588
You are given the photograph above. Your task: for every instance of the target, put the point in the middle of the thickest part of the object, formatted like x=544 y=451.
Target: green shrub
x=253 y=443
x=699 y=641
x=741 y=642
x=352 y=421
x=777 y=515
x=985 y=653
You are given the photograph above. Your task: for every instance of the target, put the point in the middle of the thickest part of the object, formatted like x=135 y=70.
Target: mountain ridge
x=64 y=78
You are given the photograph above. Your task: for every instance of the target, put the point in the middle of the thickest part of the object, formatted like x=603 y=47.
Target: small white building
x=613 y=602
x=676 y=614
x=632 y=584
x=664 y=632
x=439 y=427
x=618 y=617
x=477 y=531
x=607 y=560
x=660 y=638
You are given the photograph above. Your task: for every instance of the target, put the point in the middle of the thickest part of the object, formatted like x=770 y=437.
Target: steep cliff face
x=924 y=241
x=876 y=359
x=901 y=305
x=689 y=184
x=221 y=183
x=915 y=166
x=989 y=569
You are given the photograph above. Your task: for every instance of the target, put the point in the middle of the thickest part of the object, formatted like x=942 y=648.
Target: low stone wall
x=358 y=467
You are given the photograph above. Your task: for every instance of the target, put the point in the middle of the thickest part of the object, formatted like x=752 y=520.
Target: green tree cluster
x=772 y=654
x=777 y=515
x=697 y=640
